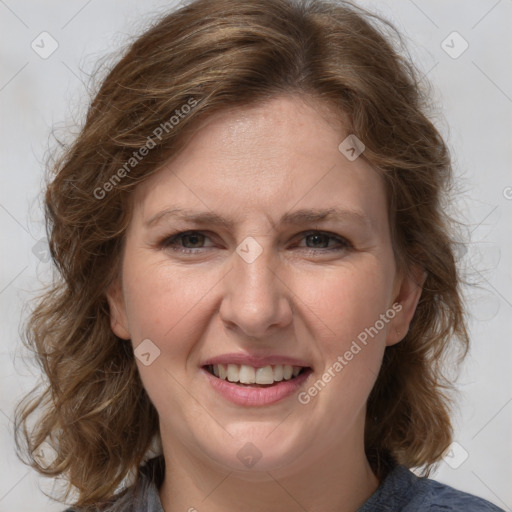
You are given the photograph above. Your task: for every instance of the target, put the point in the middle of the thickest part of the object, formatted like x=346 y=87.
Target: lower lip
x=244 y=395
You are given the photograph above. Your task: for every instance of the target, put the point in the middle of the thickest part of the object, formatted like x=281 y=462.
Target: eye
x=320 y=240
x=189 y=238
x=191 y=242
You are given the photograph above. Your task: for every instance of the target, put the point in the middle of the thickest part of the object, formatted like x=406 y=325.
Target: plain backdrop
x=463 y=48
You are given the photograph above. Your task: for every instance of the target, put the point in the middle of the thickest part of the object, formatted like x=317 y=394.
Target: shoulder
x=442 y=497
x=142 y=495
x=403 y=491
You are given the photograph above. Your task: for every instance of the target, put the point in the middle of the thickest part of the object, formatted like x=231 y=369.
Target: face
x=262 y=247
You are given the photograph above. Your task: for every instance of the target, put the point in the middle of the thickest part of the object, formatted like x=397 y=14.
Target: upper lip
x=255 y=361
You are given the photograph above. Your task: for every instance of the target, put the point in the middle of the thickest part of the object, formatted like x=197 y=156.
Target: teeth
x=233 y=373
x=265 y=375
x=247 y=375
x=250 y=375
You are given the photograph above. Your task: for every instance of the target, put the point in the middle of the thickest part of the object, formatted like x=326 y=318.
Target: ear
x=408 y=290
x=118 y=317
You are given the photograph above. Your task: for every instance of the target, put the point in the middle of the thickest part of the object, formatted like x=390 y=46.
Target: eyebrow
x=302 y=216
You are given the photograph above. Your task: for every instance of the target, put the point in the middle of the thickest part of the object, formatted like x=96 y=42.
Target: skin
x=297 y=298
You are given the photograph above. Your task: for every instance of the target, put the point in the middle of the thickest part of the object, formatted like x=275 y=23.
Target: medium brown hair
x=213 y=55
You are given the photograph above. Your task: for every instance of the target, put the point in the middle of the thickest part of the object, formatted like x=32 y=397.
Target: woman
x=257 y=285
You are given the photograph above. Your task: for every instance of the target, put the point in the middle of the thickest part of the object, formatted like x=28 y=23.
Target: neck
x=339 y=480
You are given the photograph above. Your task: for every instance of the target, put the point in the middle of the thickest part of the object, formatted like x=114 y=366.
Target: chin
x=251 y=456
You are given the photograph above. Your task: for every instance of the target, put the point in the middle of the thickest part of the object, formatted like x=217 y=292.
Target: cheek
x=168 y=305
x=348 y=304
x=162 y=305
x=348 y=300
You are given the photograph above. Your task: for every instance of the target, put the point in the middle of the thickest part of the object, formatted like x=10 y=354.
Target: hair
x=211 y=55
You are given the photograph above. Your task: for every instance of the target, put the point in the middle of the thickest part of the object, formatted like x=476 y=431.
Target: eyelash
x=169 y=242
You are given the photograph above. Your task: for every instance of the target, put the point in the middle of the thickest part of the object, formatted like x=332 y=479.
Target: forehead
x=270 y=158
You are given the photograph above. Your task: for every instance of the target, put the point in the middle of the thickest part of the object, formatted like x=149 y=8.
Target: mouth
x=256 y=377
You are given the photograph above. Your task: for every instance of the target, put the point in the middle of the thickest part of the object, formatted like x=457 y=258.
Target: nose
x=256 y=298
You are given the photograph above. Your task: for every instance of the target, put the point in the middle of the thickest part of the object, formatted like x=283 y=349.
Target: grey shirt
x=400 y=491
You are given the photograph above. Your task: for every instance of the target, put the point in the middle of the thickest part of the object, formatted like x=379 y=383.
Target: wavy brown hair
x=219 y=54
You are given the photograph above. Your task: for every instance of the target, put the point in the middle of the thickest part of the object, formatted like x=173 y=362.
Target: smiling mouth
x=249 y=376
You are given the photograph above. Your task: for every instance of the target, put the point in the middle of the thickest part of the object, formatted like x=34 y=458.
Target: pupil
x=194 y=238
x=316 y=237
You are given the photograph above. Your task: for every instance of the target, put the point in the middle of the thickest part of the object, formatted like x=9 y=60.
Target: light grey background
x=474 y=111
